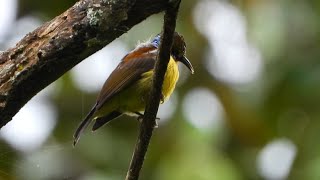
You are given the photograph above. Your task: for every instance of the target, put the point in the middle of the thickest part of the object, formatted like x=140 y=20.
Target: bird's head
x=178 y=50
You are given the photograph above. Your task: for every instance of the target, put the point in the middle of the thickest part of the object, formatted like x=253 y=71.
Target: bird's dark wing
x=127 y=72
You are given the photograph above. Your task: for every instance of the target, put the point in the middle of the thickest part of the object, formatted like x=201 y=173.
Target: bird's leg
x=140 y=117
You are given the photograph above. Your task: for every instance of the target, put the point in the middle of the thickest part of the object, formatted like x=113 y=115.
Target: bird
x=126 y=90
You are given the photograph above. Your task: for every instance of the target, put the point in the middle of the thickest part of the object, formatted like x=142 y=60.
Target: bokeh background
x=250 y=111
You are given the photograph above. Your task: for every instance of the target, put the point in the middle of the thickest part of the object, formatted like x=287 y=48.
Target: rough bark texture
x=45 y=54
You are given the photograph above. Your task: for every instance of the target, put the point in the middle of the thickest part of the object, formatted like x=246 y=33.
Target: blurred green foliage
x=283 y=102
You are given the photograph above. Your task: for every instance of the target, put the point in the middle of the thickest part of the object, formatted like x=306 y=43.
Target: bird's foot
x=140 y=118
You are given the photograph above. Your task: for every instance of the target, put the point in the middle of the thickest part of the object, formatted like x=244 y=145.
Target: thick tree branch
x=47 y=53
x=149 y=119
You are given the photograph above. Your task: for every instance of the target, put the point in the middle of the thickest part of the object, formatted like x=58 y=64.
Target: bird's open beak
x=186 y=62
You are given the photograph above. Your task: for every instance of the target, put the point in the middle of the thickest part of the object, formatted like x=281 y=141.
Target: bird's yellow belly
x=134 y=98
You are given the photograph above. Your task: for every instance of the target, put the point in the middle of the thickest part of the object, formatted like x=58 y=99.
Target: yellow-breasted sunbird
x=126 y=91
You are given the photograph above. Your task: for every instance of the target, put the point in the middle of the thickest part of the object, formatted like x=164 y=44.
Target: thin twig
x=149 y=119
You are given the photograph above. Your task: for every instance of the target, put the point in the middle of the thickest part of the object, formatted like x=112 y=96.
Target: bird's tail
x=83 y=125
x=105 y=119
